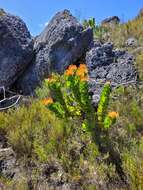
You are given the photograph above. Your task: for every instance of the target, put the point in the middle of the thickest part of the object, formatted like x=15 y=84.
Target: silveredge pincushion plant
x=70 y=98
x=70 y=93
x=67 y=96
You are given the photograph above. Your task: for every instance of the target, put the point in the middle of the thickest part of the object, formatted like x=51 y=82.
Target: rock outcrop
x=111 y=21
x=16 y=48
x=61 y=43
x=106 y=64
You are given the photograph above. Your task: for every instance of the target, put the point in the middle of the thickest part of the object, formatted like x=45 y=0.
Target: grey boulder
x=61 y=43
x=15 y=48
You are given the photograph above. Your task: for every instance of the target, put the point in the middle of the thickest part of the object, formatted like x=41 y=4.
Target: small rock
x=118 y=53
x=131 y=42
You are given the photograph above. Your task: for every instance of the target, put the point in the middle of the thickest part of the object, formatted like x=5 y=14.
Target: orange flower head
x=47 y=101
x=72 y=68
x=80 y=73
x=113 y=115
x=69 y=73
x=83 y=68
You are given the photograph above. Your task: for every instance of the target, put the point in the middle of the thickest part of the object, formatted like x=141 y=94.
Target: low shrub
x=25 y=125
x=139 y=65
x=133 y=165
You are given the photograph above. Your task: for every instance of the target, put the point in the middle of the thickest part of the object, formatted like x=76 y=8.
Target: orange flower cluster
x=71 y=70
x=113 y=115
x=80 y=71
x=47 y=101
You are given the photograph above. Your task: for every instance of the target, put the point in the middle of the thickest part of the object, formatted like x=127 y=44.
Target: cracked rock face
x=15 y=48
x=61 y=43
x=106 y=64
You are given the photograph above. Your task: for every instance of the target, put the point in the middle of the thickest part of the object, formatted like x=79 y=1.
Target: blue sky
x=36 y=13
